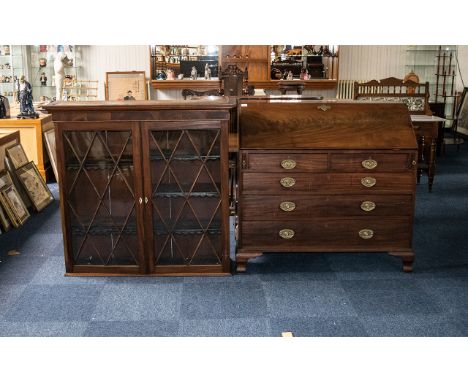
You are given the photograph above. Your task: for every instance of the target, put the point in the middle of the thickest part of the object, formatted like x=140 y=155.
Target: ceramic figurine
x=304 y=74
x=61 y=60
x=43 y=79
x=290 y=76
x=170 y=74
x=207 y=72
x=180 y=76
x=193 y=73
x=25 y=99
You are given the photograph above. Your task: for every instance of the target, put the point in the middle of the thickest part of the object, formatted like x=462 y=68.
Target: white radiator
x=345 y=89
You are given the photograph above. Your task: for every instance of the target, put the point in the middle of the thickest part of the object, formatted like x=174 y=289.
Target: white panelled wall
x=357 y=62
x=99 y=59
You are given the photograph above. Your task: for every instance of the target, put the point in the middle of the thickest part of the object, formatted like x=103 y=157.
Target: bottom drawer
x=327 y=235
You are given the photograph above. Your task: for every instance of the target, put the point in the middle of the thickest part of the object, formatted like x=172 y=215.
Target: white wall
x=368 y=62
x=463 y=62
x=99 y=59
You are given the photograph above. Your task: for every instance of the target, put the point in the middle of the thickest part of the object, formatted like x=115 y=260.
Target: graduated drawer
x=328 y=234
x=285 y=162
x=372 y=162
x=345 y=183
x=306 y=207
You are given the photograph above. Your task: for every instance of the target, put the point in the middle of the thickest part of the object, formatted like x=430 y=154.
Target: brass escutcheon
x=288 y=182
x=324 y=107
x=366 y=234
x=369 y=164
x=368 y=181
x=286 y=233
x=367 y=206
x=288 y=206
x=288 y=164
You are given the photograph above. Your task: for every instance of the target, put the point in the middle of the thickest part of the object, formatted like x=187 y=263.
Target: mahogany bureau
x=325 y=176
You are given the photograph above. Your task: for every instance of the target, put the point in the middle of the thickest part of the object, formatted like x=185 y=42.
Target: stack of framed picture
x=21 y=186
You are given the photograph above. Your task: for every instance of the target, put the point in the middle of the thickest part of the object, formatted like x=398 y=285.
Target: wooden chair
x=416 y=97
x=233 y=81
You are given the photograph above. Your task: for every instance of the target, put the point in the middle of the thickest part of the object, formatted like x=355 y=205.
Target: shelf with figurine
x=11 y=68
x=52 y=67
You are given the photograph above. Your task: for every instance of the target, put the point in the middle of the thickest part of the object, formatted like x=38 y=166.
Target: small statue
x=207 y=72
x=43 y=79
x=170 y=74
x=129 y=96
x=194 y=73
x=25 y=99
x=290 y=76
x=304 y=74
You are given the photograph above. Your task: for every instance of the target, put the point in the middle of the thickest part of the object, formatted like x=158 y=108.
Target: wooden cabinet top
x=204 y=103
x=328 y=124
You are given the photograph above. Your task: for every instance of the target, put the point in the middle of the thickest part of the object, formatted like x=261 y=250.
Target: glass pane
x=171 y=62
x=304 y=62
x=186 y=183
x=101 y=203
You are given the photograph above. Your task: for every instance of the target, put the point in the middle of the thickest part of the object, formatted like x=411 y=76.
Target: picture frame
x=34 y=185
x=118 y=84
x=462 y=111
x=5 y=221
x=51 y=147
x=16 y=206
x=5 y=178
x=16 y=182
x=17 y=155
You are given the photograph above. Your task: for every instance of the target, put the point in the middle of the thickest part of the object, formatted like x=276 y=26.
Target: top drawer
x=359 y=162
x=275 y=162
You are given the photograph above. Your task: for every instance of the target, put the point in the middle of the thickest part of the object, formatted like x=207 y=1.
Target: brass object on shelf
x=286 y=233
x=366 y=234
x=367 y=206
x=369 y=164
x=288 y=164
x=287 y=182
x=288 y=206
x=368 y=181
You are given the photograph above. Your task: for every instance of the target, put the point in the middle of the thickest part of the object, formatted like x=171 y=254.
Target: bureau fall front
x=147 y=188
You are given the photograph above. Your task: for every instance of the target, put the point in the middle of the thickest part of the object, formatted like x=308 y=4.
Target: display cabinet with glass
x=435 y=64
x=42 y=75
x=144 y=191
x=11 y=68
x=304 y=62
x=171 y=62
x=317 y=65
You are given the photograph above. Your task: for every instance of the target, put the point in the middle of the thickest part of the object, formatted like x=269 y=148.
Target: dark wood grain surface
x=345 y=125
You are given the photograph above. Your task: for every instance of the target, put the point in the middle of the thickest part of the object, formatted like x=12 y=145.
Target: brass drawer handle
x=288 y=164
x=366 y=234
x=367 y=206
x=288 y=206
x=369 y=164
x=288 y=182
x=368 y=181
x=286 y=233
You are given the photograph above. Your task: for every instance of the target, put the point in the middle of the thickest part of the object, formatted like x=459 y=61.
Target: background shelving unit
x=435 y=64
x=11 y=67
x=48 y=53
x=82 y=90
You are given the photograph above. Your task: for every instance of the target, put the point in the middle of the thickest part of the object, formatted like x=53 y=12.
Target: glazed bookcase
x=144 y=186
